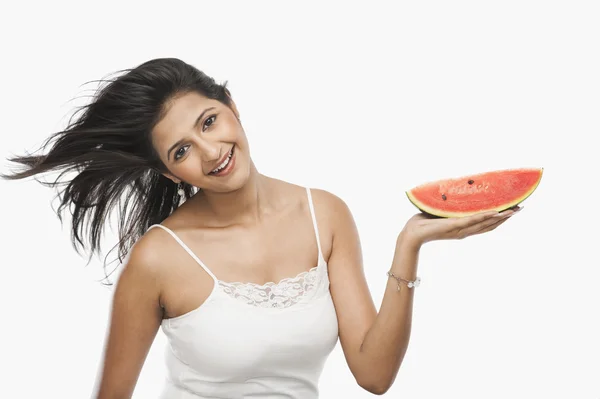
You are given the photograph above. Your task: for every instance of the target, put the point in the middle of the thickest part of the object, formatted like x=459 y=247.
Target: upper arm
x=354 y=305
x=134 y=321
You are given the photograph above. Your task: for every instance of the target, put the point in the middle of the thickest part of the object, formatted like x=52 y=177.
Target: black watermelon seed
x=444 y=197
x=471 y=182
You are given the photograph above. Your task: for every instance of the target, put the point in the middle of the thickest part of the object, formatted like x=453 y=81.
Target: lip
x=216 y=165
x=229 y=168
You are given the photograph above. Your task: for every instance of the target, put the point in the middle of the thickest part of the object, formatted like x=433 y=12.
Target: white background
x=425 y=89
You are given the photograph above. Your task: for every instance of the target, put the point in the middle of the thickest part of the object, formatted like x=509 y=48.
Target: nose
x=209 y=151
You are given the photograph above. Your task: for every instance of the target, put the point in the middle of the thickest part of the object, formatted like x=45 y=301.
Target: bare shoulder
x=146 y=263
x=335 y=215
x=145 y=255
x=334 y=218
x=332 y=207
x=141 y=270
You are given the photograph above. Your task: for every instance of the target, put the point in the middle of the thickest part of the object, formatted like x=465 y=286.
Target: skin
x=252 y=228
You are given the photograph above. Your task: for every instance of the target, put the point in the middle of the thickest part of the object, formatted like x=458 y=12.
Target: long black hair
x=107 y=143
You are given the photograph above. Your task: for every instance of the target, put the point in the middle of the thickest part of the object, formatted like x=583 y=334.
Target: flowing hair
x=107 y=147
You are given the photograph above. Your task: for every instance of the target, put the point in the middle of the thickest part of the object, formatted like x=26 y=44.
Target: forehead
x=180 y=116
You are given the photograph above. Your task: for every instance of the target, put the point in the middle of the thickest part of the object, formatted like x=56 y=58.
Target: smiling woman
x=251 y=278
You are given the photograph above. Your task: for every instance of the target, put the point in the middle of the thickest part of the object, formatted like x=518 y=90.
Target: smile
x=223 y=166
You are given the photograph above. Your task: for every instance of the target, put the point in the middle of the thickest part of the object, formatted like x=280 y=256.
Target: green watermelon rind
x=438 y=213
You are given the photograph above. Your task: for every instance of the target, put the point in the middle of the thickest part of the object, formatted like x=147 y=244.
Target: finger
x=486 y=226
x=468 y=221
x=492 y=227
x=489 y=223
x=472 y=220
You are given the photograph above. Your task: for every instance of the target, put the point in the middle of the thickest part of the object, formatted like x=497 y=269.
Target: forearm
x=386 y=341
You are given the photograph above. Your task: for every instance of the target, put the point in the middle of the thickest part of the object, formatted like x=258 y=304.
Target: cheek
x=241 y=137
x=190 y=169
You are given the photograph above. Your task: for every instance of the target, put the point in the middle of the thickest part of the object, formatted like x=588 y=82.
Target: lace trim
x=283 y=294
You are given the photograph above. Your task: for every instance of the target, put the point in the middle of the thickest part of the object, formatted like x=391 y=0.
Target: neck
x=243 y=206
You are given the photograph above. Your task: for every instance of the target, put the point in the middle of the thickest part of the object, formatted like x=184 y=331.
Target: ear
x=172 y=178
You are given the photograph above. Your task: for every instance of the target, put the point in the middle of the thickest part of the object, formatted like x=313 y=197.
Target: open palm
x=424 y=228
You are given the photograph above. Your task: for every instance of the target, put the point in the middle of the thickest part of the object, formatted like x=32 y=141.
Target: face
x=202 y=142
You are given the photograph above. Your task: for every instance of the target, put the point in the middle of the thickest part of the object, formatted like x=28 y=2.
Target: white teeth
x=225 y=162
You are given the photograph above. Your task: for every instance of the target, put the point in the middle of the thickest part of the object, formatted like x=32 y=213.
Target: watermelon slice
x=496 y=190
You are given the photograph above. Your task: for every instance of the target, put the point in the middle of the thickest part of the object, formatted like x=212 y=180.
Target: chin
x=235 y=182
x=239 y=180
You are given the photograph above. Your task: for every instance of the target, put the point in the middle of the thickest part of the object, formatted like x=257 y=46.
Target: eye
x=206 y=124
x=179 y=153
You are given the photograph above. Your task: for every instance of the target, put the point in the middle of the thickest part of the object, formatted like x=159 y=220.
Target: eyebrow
x=193 y=127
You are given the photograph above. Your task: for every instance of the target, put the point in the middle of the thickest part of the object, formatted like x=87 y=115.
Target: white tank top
x=253 y=341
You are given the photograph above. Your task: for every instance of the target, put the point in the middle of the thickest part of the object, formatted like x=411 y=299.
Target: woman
x=252 y=279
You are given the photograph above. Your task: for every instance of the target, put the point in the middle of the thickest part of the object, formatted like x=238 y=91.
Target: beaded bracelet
x=410 y=284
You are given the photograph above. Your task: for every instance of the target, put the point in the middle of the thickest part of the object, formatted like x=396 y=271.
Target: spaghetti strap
x=187 y=249
x=314 y=219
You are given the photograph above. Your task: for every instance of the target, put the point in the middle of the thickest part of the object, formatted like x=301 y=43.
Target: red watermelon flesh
x=496 y=190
